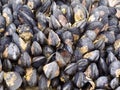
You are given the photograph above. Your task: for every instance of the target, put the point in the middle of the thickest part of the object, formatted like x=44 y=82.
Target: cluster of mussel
x=60 y=44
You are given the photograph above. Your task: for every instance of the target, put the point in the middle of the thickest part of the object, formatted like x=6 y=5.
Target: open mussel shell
x=13 y=80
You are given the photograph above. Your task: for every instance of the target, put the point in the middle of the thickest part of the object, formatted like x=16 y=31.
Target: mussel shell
x=40 y=37
x=44 y=6
x=36 y=49
x=43 y=82
x=12 y=52
x=25 y=60
x=7 y=65
x=53 y=39
x=79 y=79
x=113 y=67
x=19 y=70
x=103 y=66
x=2 y=24
x=71 y=69
x=23 y=46
x=48 y=51
x=31 y=76
x=82 y=64
x=33 y=4
x=38 y=61
x=55 y=82
x=92 y=71
x=4 y=41
x=102 y=82
x=42 y=21
x=51 y=70
x=114 y=83
x=68 y=85
x=10 y=29
x=7 y=14
x=92 y=56
x=13 y=80
x=111 y=58
x=60 y=60
x=1 y=76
